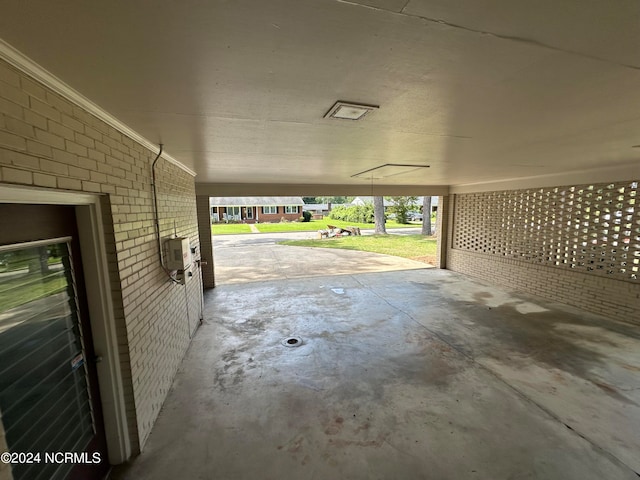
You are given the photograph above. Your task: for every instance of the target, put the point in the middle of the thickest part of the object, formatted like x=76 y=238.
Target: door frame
x=102 y=319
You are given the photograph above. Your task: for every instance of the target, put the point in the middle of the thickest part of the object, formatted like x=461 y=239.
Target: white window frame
x=269 y=212
x=234 y=213
x=291 y=209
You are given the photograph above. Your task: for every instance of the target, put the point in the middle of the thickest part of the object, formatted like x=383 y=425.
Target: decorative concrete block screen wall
x=48 y=141
x=575 y=244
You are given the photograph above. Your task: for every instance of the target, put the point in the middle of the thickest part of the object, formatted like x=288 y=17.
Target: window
x=291 y=209
x=249 y=212
x=271 y=209
x=233 y=213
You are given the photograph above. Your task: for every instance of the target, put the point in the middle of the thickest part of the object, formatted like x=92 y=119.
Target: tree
x=402 y=206
x=353 y=213
x=426 y=215
x=334 y=200
x=378 y=213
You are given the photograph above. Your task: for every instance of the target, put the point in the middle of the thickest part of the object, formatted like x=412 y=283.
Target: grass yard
x=312 y=226
x=415 y=247
x=30 y=287
x=229 y=228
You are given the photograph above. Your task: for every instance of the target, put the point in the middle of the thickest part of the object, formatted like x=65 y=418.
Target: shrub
x=402 y=206
x=353 y=213
x=306 y=217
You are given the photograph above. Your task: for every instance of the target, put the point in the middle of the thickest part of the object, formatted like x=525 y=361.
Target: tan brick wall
x=47 y=141
x=578 y=245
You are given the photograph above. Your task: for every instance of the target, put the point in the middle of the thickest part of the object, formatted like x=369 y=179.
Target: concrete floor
x=402 y=374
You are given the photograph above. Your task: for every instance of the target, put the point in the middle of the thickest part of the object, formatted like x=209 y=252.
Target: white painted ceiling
x=480 y=90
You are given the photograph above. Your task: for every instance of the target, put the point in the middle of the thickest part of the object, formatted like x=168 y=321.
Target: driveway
x=257 y=257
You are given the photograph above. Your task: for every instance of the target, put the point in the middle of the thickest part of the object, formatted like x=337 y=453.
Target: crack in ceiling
x=512 y=38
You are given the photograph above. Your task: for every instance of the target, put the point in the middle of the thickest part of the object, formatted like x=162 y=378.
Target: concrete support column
x=206 y=242
x=442 y=231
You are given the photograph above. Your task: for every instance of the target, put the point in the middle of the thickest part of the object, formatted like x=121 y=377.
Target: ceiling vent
x=349 y=111
x=389 y=170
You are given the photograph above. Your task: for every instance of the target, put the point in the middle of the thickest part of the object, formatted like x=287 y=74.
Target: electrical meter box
x=178 y=255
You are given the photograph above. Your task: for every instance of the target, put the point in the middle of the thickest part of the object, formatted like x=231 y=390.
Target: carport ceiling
x=237 y=90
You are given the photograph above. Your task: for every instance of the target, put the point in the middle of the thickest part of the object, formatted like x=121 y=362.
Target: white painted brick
x=67 y=183
x=13 y=175
x=72 y=123
x=39 y=149
x=59 y=103
x=42 y=108
x=22 y=160
x=53 y=167
x=60 y=130
x=84 y=140
x=87 y=163
x=35 y=119
x=19 y=127
x=96 y=155
x=49 y=139
x=73 y=147
x=43 y=180
x=33 y=89
x=93 y=133
x=75 y=150
x=91 y=187
x=13 y=94
x=12 y=141
x=9 y=76
x=64 y=156
x=80 y=173
x=11 y=109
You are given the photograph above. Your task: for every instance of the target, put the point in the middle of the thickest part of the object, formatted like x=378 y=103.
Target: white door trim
x=94 y=260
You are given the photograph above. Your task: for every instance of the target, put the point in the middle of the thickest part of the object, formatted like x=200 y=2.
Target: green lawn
x=30 y=287
x=407 y=246
x=229 y=228
x=312 y=226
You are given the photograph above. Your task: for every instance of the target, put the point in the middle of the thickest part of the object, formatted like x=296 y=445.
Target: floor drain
x=292 y=342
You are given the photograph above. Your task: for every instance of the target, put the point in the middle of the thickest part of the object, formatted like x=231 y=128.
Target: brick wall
x=47 y=141
x=578 y=245
x=276 y=217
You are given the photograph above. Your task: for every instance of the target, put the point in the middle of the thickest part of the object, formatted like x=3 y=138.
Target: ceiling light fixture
x=349 y=111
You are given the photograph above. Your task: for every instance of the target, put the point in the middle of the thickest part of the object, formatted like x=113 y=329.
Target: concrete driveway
x=257 y=257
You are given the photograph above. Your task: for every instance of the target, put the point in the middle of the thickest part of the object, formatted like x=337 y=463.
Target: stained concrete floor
x=421 y=374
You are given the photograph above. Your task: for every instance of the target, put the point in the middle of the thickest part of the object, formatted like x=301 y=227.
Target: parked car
x=414 y=216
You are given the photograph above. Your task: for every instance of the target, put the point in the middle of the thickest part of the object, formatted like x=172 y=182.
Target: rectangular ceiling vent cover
x=349 y=111
x=389 y=170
